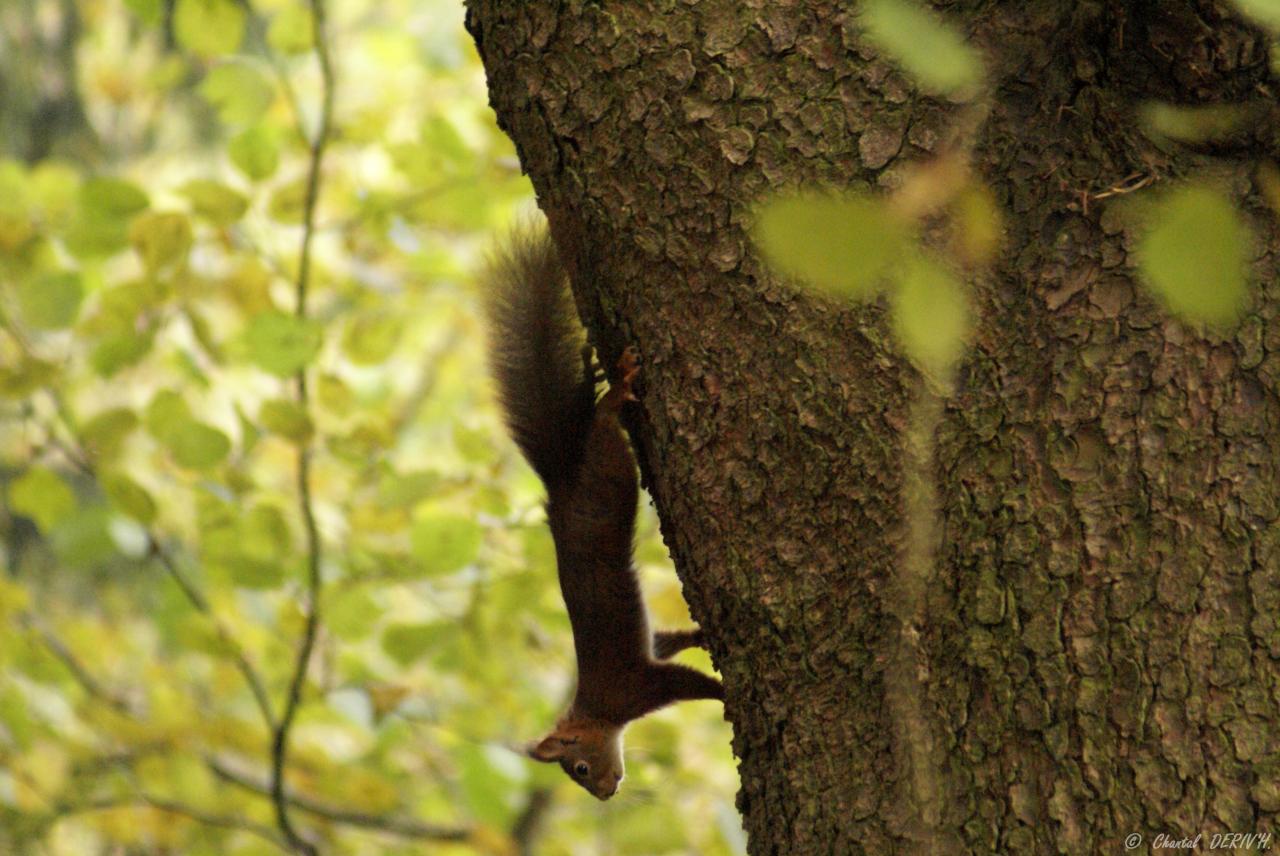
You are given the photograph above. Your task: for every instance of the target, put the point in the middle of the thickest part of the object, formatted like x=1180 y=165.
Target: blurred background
x=154 y=555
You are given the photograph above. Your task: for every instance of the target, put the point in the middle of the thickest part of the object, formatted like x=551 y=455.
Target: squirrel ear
x=549 y=748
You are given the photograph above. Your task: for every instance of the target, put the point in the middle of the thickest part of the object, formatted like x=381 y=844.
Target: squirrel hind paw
x=628 y=370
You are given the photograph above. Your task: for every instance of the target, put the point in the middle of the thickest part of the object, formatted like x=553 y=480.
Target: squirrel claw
x=628 y=368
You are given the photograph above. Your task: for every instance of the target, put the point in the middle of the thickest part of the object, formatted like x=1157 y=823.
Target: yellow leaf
x=930 y=316
x=162 y=239
x=385 y=698
x=976 y=225
x=488 y=840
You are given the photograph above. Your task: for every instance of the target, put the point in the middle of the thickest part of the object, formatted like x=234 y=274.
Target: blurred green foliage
x=1194 y=253
x=932 y=51
x=855 y=246
x=1265 y=12
x=1192 y=244
x=149 y=430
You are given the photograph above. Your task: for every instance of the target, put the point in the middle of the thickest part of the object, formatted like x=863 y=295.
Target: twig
x=79 y=457
x=64 y=655
x=76 y=453
x=427 y=380
x=201 y=603
x=222 y=821
x=280 y=741
x=400 y=826
x=524 y=832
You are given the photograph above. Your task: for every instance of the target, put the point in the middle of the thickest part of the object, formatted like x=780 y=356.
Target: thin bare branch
x=64 y=655
x=76 y=453
x=528 y=825
x=222 y=821
x=280 y=741
x=400 y=826
x=200 y=602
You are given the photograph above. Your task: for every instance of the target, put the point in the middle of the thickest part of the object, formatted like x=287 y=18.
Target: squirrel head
x=589 y=751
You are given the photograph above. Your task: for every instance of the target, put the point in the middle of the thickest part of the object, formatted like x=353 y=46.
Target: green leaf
x=335 y=394
x=192 y=443
x=166 y=415
x=1265 y=12
x=439 y=153
x=977 y=225
x=404 y=490
x=282 y=344
x=351 y=615
x=407 y=643
x=371 y=337
x=488 y=781
x=14 y=599
x=239 y=91
x=129 y=497
x=931 y=51
x=286 y=418
x=119 y=351
x=52 y=301
x=1193 y=123
x=84 y=539
x=26 y=377
x=249 y=548
x=839 y=244
x=203 y=331
x=441 y=138
x=249 y=287
x=249 y=433
x=443 y=543
x=292 y=30
x=100 y=226
x=148 y=10
x=255 y=152
x=473 y=444
x=44 y=497
x=162 y=239
x=215 y=202
x=1195 y=253
x=55 y=188
x=265 y=534
x=930 y=315
x=105 y=432
x=90 y=238
x=288 y=203
x=198 y=446
x=112 y=198
x=208 y=28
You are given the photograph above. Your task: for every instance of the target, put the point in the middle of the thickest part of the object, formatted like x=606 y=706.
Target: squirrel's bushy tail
x=536 y=345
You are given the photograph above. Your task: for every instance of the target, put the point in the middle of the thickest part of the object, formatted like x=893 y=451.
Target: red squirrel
x=546 y=383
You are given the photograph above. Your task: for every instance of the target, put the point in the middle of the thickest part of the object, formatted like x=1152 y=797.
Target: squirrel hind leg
x=667 y=683
x=668 y=643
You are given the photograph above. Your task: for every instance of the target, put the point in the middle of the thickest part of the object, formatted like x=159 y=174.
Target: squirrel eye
x=581 y=769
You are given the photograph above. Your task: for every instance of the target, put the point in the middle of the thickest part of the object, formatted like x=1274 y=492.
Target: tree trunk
x=1095 y=651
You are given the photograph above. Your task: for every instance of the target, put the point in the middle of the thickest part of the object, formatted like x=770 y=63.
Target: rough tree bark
x=1097 y=651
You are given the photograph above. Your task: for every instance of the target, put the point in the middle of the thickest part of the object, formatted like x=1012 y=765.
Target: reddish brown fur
x=582 y=455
